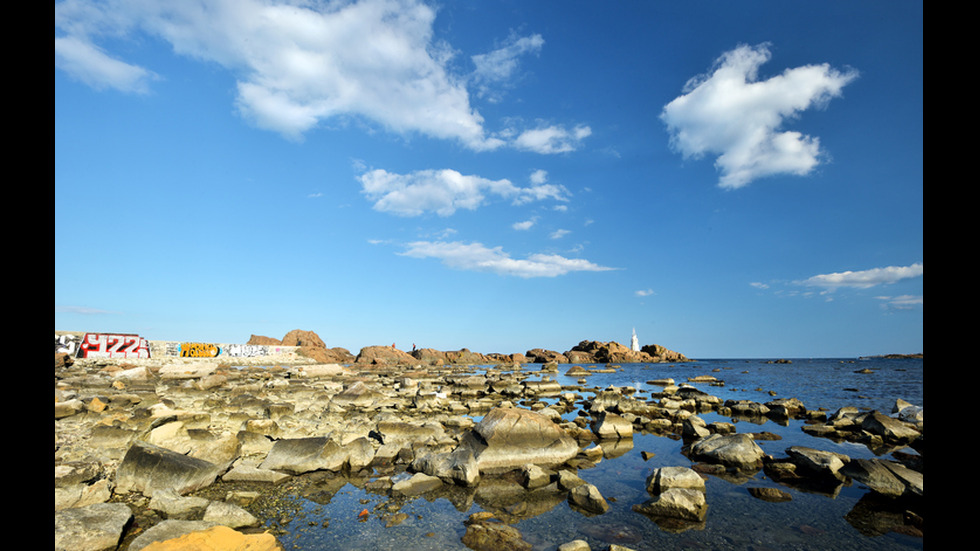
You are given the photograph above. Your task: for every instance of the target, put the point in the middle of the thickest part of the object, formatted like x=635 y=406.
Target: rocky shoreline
x=152 y=453
x=311 y=346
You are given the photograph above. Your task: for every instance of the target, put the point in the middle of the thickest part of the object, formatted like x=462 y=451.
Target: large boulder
x=301 y=338
x=263 y=341
x=664 y=478
x=146 y=468
x=302 y=455
x=542 y=356
x=663 y=354
x=818 y=462
x=384 y=356
x=738 y=451
x=889 y=428
x=881 y=476
x=611 y=426
x=508 y=438
x=676 y=503
x=466 y=357
x=430 y=356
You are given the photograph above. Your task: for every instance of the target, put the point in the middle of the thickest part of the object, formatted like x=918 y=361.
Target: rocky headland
x=156 y=453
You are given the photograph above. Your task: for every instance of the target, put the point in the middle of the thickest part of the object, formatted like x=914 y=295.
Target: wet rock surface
x=149 y=451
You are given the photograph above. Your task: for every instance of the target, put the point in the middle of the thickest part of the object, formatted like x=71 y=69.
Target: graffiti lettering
x=198 y=350
x=247 y=350
x=65 y=344
x=100 y=345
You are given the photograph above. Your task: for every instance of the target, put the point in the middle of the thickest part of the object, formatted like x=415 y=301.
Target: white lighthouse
x=634 y=342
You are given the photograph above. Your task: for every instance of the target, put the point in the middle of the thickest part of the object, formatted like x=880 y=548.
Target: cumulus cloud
x=644 y=292
x=863 y=279
x=297 y=64
x=552 y=139
x=480 y=258
x=444 y=191
x=731 y=114
x=525 y=225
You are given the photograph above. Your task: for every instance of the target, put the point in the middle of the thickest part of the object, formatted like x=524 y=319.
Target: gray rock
x=418 y=484
x=818 y=462
x=586 y=498
x=875 y=475
x=302 y=455
x=229 y=514
x=889 y=428
x=173 y=505
x=694 y=427
x=509 y=438
x=251 y=473
x=147 y=468
x=612 y=426
x=665 y=478
x=734 y=450
x=91 y=528
x=677 y=503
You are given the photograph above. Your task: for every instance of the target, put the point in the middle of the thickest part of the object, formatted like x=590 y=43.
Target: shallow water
x=327 y=516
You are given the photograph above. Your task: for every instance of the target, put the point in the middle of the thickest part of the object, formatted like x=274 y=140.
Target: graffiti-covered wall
x=211 y=350
x=107 y=345
x=198 y=350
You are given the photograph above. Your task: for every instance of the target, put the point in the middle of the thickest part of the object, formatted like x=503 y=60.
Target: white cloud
x=525 y=225
x=644 y=292
x=499 y=66
x=91 y=65
x=444 y=191
x=477 y=257
x=552 y=139
x=902 y=302
x=558 y=234
x=297 y=64
x=863 y=279
x=731 y=114
x=539 y=177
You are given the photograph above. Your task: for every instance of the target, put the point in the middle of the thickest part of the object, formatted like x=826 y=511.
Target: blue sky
x=731 y=179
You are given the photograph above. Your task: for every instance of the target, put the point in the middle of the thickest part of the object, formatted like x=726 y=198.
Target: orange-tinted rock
x=218 y=538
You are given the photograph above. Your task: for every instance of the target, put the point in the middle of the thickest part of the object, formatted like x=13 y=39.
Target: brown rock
x=384 y=355
x=298 y=337
x=430 y=356
x=217 y=538
x=265 y=341
x=542 y=356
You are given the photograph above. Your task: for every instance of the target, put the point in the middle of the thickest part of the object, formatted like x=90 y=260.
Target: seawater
x=735 y=519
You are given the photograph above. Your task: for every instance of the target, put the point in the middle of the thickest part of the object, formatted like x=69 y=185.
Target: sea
x=842 y=518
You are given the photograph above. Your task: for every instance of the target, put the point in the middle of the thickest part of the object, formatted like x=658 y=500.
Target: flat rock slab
x=302 y=455
x=91 y=528
x=147 y=468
